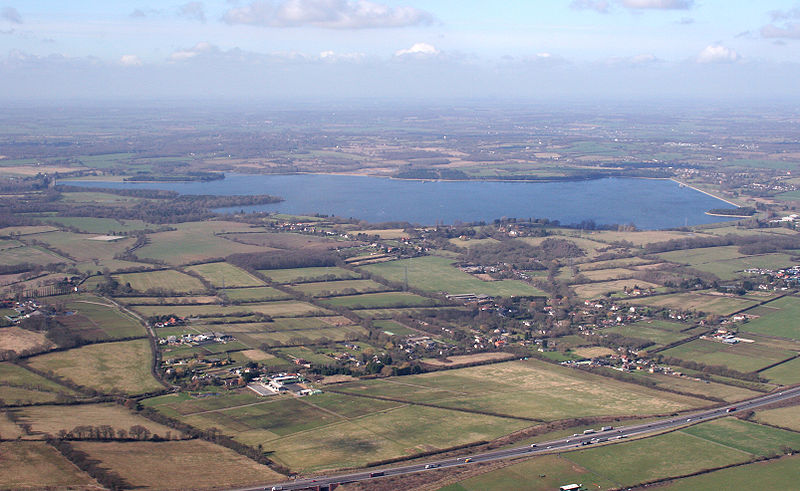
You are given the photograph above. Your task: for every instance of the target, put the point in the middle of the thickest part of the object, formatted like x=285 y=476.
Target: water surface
x=647 y=203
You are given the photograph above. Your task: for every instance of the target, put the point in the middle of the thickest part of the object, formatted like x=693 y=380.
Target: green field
x=36 y=465
x=301 y=275
x=30 y=254
x=785 y=417
x=437 y=274
x=672 y=454
x=647 y=331
x=745 y=436
x=545 y=473
x=532 y=389
x=223 y=274
x=257 y=294
x=780 y=318
x=283 y=308
x=93 y=319
x=195 y=241
x=340 y=287
x=786 y=373
x=120 y=367
x=83 y=248
x=166 y=280
x=771 y=475
x=105 y=226
x=744 y=357
x=18 y=376
x=378 y=300
x=594 y=290
x=178 y=465
x=704 y=302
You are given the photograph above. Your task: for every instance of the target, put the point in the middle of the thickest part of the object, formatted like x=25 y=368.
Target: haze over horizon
x=294 y=49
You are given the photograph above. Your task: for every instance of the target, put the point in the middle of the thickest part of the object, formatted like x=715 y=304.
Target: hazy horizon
x=411 y=50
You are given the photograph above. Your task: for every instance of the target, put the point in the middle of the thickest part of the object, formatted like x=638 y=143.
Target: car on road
x=466 y=461
x=431 y=466
x=688 y=419
x=730 y=409
x=533 y=445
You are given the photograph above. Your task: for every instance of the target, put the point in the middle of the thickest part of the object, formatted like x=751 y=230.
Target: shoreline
x=707 y=193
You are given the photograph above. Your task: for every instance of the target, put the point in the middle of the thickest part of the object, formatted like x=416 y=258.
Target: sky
x=532 y=50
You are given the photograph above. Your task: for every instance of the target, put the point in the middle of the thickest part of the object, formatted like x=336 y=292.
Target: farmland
x=330 y=288
x=51 y=419
x=303 y=275
x=775 y=474
x=223 y=274
x=703 y=301
x=380 y=300
x=776 y=318
x=437 y=274
x=171 y=464
x=122 y=367
x=744 y=357
x=37 y=465
x=167 y=280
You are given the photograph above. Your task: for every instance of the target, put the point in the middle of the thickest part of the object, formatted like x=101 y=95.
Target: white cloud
x=330 y=14
x=193 y=11
x=658 y=4
x=130 y=60
x=716 y=53
x=601 y=6
x=333 y=56
x=418 y=49
x=197 y=49
x=11 y=14
x=789 y=29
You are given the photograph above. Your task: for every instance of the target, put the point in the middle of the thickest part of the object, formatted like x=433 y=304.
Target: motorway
x=568 y=443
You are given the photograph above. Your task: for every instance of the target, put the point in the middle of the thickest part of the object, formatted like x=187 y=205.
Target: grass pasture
x=18 y=376
x=176 y=465
x=30 y=254
x=95 y=321
x=530 y=388
x=93 y=225
x=36 y=465
x=339 y=287
x=748 y=437
x=776 y=318
x=222 y=274
x=710 y=303
x=786 y=373
x=256 y=294
x=281 y=308
x=785 y=417
x=117 y=367
x=303 y=275
x=437 y=274
x=671 y=454
x=608 y=274
x=167 y=280
x=380 y=300
x=744 y=357
x=18 y=340
x=51 y=419
x=195 y=241
x=642 y=330
x=545 y=473
x=594 y=290
x=774 y=474
x=82 y=248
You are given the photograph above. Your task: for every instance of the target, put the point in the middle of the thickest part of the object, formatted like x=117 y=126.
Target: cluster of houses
x=198 y=339
x=283 y=383
x=24 y=309
x=777 y=277
x=171 y=322
x=726 y=336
